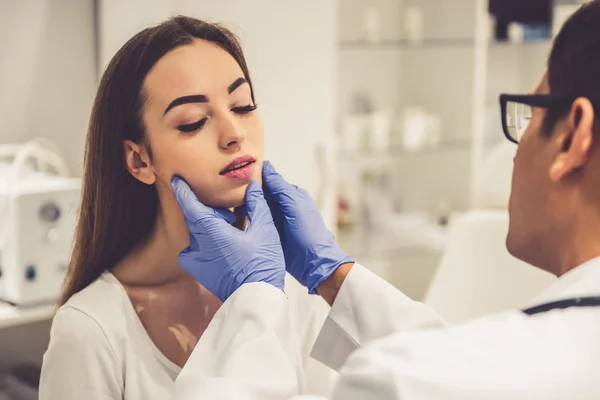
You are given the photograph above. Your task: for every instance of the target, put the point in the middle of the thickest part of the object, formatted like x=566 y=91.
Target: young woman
x=177 y=99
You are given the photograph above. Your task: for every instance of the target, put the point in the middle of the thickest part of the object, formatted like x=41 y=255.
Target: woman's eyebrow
x=238 y=82
x=200 y=98
x=196 y=98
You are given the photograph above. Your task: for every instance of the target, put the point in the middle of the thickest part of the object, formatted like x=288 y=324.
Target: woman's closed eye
x=196 y=126
x=245 y=109
x=192 y=127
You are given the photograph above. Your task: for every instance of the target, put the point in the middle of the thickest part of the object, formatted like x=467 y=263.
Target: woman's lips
x=243 y=173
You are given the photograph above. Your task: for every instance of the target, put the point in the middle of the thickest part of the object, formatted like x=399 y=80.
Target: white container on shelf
x=413 y=25
x=379 y=133
x=372 y=25
x=516 y=33
x=420 y=129
x=414 y=129
x=369 y=131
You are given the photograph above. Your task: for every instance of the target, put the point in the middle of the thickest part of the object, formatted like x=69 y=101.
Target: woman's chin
x=234 y=199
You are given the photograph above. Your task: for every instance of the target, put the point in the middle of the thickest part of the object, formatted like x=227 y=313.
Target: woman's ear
x=138 y=162
x=576 y=142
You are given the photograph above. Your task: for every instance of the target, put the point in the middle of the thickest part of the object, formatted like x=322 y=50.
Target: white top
x=99 y=348
x=393 y=348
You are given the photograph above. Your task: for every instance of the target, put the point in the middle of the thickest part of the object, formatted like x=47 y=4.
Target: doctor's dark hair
x=574 y=62
x=117 y=210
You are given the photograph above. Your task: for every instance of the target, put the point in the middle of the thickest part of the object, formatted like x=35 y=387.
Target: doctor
x=385 y=345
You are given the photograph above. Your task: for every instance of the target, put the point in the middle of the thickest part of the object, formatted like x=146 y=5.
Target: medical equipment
x=38 y=203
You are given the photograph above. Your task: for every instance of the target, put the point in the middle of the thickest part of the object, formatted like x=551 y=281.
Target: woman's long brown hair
x=118 y=211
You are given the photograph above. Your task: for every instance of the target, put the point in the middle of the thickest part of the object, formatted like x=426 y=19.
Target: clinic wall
x=119 y=20
x=47 y=73
x=291 y=52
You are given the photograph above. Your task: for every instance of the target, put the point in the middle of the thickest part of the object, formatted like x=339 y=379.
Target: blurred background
x=385 y=110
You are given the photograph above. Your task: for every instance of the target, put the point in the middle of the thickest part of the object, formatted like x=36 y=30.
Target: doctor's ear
x=575 y=141
x=138 y=162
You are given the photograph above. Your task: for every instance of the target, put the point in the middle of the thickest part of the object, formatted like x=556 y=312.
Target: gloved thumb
x=256 y=205
x=277 y=187
x=193 y=210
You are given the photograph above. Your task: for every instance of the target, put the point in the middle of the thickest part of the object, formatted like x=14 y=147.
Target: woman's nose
x=231 y=134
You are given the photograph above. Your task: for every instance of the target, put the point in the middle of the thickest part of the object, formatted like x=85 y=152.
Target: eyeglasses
x=517 y=111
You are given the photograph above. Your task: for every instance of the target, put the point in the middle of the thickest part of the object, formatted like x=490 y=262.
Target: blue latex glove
x=310 y=249
x=222 y=257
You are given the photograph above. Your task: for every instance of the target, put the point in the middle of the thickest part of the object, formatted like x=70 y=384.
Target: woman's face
x=202 y=125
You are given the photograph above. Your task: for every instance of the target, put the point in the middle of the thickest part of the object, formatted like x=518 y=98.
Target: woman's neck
x=154 y=261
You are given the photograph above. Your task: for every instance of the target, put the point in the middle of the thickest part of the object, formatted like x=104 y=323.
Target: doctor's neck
x=569 y=234
x=578 y=245
x=572 y=231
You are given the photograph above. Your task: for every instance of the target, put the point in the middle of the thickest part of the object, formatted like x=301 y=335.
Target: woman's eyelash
x=245 y=109
x=198 y=125
x=192 y=127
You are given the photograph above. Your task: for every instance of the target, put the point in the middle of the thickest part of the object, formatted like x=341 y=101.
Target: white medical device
x=37 y=224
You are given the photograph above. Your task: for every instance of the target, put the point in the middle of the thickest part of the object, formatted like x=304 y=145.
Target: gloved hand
x=310 y=250
x=222 y=257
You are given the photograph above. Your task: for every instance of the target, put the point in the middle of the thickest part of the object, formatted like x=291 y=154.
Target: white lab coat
x=387 y=346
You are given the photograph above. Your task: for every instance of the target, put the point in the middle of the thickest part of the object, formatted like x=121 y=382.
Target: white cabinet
x=452 y=70
x=441 y=71
x=438 y=65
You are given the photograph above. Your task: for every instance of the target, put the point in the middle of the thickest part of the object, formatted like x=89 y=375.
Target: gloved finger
x=226 y=215
x=277 y=214
x=274 y=183
x=241 y=211
x=258 y=210
x=193 y=209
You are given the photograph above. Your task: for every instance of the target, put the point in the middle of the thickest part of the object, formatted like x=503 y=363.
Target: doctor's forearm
x=364 y=307
x=330 y=287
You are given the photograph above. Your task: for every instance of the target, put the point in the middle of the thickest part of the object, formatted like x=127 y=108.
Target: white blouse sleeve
x=80 y=362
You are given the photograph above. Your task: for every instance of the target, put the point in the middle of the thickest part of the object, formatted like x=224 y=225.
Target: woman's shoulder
x=100 y=295
x=83 y=358
x=102 y=303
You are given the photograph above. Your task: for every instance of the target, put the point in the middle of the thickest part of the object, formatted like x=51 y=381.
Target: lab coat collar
x=581 y=281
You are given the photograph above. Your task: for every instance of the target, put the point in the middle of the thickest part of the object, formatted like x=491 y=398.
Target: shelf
x=464 y=43
x=403 y=43
x=525 y=44
x=11 y=316
x=443 y=147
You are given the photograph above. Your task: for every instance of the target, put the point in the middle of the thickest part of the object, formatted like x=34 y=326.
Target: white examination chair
x=477 y=275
